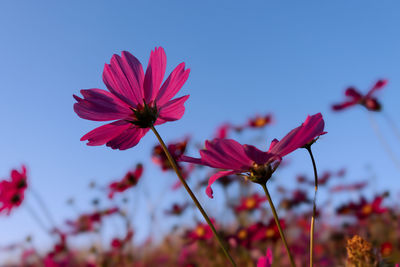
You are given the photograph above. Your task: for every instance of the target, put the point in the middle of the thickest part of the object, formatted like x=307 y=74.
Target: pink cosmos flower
x=355 y=97
x=12 y=192
x=201 y=232
x=130 y=179
x=251 y=162
x=135 y=100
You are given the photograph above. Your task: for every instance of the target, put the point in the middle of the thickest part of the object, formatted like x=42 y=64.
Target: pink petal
x=265 y=261
x=154 y=74
x=378 y=85
x=124 y=78
x=353 y=93
x=257 y=155
x=273 y=143
x=105 y=133
x=300 y=136
x=100 y=105
x=128 y=138
x=225 y=154
x=172 y=111
x=215 y=177
x=344 y=105
x=191 y=160
x=172 y=84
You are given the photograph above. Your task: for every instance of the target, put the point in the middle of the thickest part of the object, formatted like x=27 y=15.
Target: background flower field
x=256 y=71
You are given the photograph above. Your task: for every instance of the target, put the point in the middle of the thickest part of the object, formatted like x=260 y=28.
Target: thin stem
x=314 y=206
x=196 y=202
x=36 y=218
x=392 y=125
x=264 y=186
x=385 y=145
x=42 y=204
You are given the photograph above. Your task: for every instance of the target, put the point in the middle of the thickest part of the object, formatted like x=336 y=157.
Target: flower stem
x=196 y=202
x=264 y=186
x=314 y=206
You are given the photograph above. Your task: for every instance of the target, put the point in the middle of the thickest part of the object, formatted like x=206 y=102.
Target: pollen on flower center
x=144 y=116
x=200 y=231
x=250 y=203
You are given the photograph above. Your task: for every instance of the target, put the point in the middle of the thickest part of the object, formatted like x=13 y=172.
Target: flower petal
x=130 y=137
x=100 y=105
x=124 y=78
x=172 y=84
x=154 y=74
x=312 y=127
x=215 y=177
x=105 y=133
x=377 y=86
x=172 y=111
x=257 y=155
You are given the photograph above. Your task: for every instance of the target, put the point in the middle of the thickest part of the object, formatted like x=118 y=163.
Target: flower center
x=260 y=173
x=144 y=116
x=250 y=203
x=270 y=233
x=367 y=209
x=242 y=234
x=200 y=231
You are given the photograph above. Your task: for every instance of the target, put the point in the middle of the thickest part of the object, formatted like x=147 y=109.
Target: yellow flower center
x=367 y=209
x=200 y=231
x=250 y=203
x=270 y=233
x=242 y=234
x=259 y=122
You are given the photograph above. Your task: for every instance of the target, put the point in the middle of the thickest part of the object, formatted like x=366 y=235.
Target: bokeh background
x=291 y=58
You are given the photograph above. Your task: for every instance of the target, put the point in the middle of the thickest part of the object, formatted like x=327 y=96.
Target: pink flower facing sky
x=250 y=203
x=135 y=100
x=247 y=160
x=12 y=192
x=354 y=97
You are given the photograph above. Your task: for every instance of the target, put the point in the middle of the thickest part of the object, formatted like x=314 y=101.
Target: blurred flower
x=201 y=232
x=223 y=130
x=87 y=222
x=130 y=179
x=12 y=192
x=251 y=162
x=177 y=209
x=349 y=187
x=368 y=101
x=262 y=232
x=386 y=249
x=265 y=261
x=298 y=197
x=259 y=121
x=250 y=203
x=135 y=100
x=363 y=209
x=119 y=244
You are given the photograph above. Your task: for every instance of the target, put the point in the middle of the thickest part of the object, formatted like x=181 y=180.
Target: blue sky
x=285 y=57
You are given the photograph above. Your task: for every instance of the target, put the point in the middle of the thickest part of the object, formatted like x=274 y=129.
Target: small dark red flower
x=250 y=203
x=386 y=249
x=87 y=222
x=263 y=232
x=260 y=121
x=130 y=179
x=12 y=191
x=363 y=209
x=368 y=101
x=201 y=232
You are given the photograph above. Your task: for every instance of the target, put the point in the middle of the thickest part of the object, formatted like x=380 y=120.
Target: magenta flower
x=251 y=162
x=355 y=97
x=12 y=191
x=135 y=101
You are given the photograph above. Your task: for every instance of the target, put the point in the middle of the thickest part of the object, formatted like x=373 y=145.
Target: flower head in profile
x=130 y=179
x=249 y=161
x=135 y=101
x=12 y=191
x=368 y=101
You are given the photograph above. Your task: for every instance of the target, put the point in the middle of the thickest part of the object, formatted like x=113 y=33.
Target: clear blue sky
x=291 y=58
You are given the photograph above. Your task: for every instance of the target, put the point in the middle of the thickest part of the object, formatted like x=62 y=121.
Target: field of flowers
x=292 y=228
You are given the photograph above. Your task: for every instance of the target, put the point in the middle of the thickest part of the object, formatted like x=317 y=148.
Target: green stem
x=196 y=202
x=314 y=206
x=264 y=186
